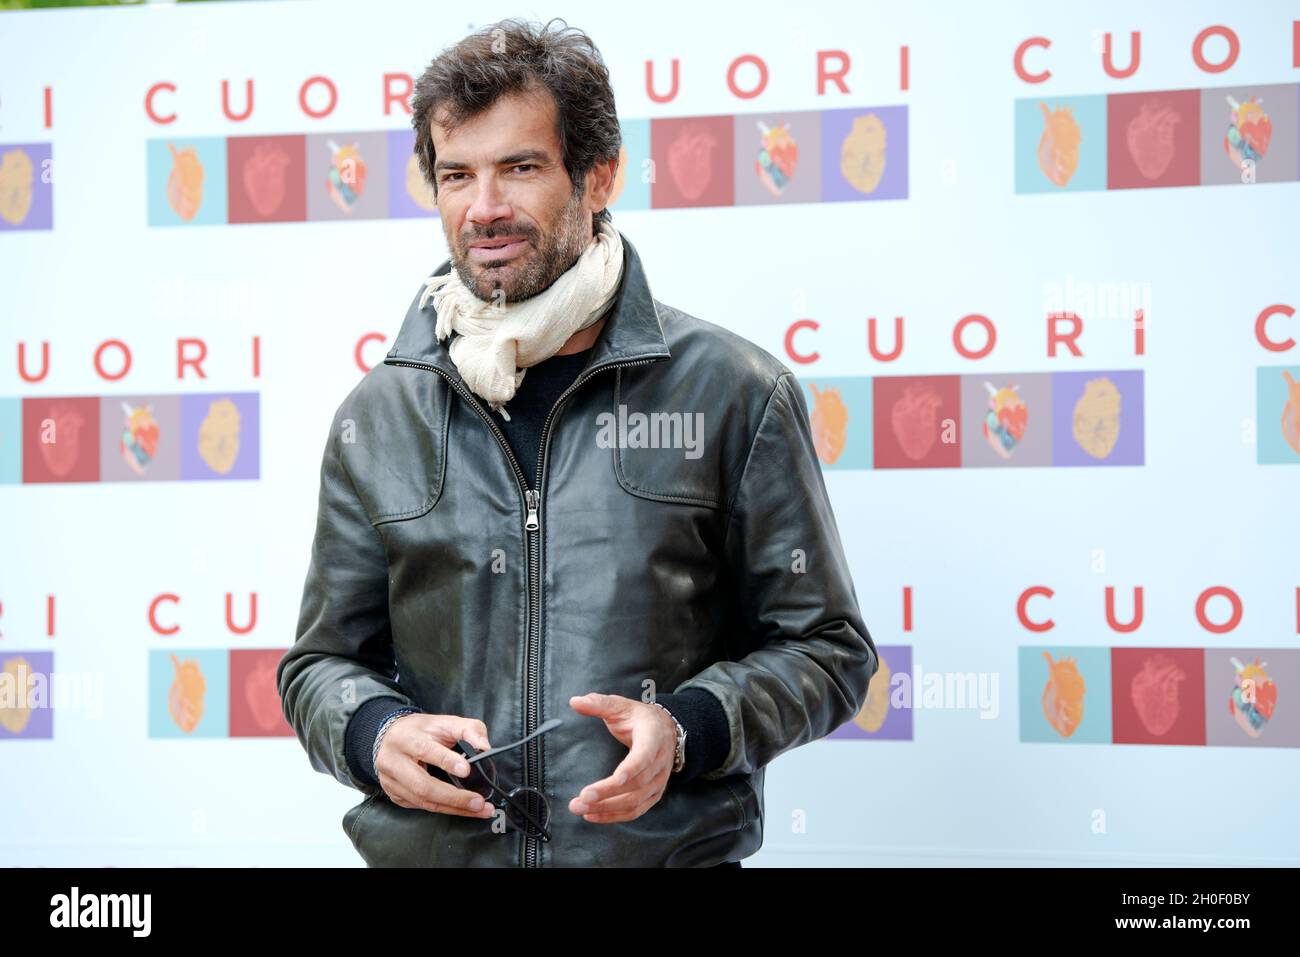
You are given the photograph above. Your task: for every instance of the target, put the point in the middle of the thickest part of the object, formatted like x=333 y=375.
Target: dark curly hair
x=514 y=56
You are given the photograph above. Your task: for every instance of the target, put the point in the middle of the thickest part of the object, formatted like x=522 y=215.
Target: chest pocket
x=671 y=443
x=398 y=453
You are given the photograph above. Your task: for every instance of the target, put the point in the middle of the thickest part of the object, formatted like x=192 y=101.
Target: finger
x=424 y=744
x=445 y=731
x=429 y=794
x=632 y=772
x=616 y=818
x=622 y=803
x=474 y=731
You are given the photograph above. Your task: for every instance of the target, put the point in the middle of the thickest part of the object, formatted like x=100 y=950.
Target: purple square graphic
x=220 y=435
x=837 y=125
x=1100 y=401
x=402 y=178
x=29 y=166
x=37 y=722
x=897 y=725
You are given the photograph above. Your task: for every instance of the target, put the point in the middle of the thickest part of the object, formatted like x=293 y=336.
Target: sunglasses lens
x=482 y=775
x=532 y=801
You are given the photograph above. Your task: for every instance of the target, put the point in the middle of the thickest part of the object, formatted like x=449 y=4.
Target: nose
x=489 y=203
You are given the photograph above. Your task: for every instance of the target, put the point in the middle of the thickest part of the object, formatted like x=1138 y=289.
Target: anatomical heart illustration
x=1096 y=420
x=1006 y=419
x=1149 y=137
x=219 y=436
x=875 y=709
x=61 y=445
x=1063 y=695
x=914 y=418
x=261 y=696
x=138 y=443
x=418 y=188
x=1250 y=130
x=1291 y=412
x=263 y=177
x=185 y=696
x=17 y=185
x=620 y=177
x=15 y=708
x=185 y=182
x=778 y=155
x=1156 y=691
x=1058 y=147
x=691 y=158
x=345 y=179
x=1254 y=697
x=830 y=422
x=863 y=153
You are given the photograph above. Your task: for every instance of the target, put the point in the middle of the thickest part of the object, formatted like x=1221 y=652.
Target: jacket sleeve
x=343 y=654
x=812 y=657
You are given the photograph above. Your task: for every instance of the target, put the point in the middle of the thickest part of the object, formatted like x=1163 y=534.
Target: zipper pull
x=532 y=498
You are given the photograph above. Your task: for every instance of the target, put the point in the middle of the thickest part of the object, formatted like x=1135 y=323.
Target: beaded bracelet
x=383 y=729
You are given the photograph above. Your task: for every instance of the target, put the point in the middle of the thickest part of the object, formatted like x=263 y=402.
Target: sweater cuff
x=708 y=735
x=359 y=739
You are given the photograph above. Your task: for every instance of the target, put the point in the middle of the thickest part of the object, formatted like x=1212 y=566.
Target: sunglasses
x=526 y=808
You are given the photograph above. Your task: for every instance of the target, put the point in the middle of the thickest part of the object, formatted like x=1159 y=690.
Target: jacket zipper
x=532 y=530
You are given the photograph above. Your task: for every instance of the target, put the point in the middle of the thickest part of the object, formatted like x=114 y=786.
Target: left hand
x=636 y=785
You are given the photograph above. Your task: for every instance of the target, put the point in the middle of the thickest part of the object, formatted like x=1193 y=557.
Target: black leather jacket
x=443 y=576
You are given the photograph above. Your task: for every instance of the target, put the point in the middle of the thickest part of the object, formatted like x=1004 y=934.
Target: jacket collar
x=632 y=328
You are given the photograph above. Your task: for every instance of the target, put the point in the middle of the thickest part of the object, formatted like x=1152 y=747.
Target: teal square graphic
x=176 y=696
x=1277 y=415
x=11 y=441
x=1071 y=122
x=1069 y=666
x=839 y=410
x=187 y=181
x=640 y=167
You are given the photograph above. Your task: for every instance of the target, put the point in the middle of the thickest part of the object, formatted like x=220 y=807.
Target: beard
x=549 y=255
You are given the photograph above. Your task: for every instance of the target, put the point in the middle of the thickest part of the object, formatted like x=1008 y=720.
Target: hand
x=650 y=733
x=416 y=740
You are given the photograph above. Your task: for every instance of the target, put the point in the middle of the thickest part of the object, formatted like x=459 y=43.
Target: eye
x=451 y=176
x=524 y=166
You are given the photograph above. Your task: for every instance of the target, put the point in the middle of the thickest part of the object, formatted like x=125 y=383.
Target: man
x=501 y=541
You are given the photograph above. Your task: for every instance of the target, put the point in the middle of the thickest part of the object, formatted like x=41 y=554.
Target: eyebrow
x=510 y=159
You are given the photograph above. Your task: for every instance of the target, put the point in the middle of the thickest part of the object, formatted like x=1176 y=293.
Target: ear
x=600 y=183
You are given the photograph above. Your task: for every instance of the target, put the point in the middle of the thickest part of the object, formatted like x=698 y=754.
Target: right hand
x=416 y=740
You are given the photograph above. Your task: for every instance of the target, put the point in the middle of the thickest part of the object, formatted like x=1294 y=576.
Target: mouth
x=495 y=249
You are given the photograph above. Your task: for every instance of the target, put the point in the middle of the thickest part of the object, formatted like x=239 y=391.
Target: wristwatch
x=679 y=758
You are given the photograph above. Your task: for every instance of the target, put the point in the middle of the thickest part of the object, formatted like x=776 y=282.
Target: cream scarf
x=497 y=343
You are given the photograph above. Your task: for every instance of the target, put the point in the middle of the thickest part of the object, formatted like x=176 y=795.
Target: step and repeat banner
x=1035 y=266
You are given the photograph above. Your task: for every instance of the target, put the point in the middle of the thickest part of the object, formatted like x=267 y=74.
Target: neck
x=583 y=338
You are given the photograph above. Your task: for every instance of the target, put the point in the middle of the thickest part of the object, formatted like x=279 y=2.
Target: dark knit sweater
x=708 y=735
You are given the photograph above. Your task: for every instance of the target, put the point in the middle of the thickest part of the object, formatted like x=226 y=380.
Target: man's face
x=508 y=208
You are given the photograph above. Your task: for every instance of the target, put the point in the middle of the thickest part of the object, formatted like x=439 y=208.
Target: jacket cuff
x=708 y=736
x=360 y=736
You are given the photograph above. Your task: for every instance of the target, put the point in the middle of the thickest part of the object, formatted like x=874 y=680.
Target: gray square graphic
x=1034 y=448
x=804 y=129
x=372 y=202
x=1278 y=162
